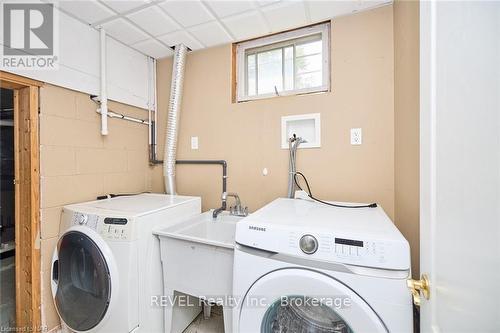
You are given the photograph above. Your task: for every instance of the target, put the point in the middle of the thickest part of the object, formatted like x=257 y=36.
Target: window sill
x=303 y=92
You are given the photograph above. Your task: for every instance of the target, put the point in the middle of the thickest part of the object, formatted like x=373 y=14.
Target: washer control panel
x=346 y=250
x=88 y=220
x=114 y=231
x=308 y=244
x=110 y=228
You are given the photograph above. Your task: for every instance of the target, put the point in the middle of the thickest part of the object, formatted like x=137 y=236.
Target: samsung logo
x=251 y=227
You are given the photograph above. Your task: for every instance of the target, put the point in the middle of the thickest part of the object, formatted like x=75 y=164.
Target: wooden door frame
x=27 y=199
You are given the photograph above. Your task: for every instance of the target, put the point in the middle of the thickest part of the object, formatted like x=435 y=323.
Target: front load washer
x=106 y=268
x=302 y=266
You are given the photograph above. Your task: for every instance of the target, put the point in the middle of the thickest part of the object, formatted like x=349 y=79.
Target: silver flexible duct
x=174 y=107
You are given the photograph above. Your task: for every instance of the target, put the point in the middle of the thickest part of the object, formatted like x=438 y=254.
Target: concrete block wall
x=78 y=164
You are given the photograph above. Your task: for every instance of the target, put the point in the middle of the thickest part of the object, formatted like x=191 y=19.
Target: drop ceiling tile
x=124 y=31
x=88 y=11
x=323 y=10
x=267 y=2
x=367 y=4
x=183 y=37
x=285 y=15
x=224 y=8
x=154 y=21
x=122 y=6
x=246 y=25
x=187 y=13
x=210 y=34
x=153 y=48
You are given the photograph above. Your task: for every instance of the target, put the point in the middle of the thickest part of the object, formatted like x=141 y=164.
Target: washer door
x=81 y=281
x=301 y=300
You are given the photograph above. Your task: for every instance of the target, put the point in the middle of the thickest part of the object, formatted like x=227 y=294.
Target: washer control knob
x=81 y=219
x=308 y=244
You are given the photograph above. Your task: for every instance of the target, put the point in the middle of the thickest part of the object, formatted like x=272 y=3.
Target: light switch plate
x=356 y=136
x=194 y=142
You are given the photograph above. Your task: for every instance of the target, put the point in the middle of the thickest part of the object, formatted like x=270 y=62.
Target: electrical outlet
x=194 y=142
x=356 y=136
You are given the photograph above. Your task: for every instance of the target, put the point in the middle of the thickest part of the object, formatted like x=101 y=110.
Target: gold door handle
x=419 y=286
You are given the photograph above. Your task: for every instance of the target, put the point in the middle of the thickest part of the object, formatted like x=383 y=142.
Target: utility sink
x=197 y=263
x=204 y=229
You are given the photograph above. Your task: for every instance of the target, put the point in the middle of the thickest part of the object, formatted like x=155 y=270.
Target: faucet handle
x=238 y=210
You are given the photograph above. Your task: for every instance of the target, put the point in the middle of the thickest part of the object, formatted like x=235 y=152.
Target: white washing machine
x=106 y=268
x=302 y=266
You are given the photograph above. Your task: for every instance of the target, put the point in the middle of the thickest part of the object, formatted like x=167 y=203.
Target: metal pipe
x=173 y=117
x=112 y=114
x=293 y=145
x=104 y=96
x=153 y=147
x=223 y=163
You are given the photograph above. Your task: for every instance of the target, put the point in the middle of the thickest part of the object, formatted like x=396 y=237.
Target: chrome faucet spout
x=217 y=211
x=236 y=197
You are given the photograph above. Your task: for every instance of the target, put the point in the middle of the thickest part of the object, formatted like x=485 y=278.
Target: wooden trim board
x=12 y=81
x=27 y=200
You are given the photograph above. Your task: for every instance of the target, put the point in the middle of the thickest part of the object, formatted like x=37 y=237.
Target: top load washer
x=301 y=265
x=106 y=268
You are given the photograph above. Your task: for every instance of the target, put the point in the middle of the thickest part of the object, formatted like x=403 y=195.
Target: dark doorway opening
x=7 y=211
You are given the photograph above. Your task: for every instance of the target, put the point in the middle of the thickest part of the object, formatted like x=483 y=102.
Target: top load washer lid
x=356 y=236
x=133 y=205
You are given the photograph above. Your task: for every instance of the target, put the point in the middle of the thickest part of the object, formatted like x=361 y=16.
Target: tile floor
x=7 y=293
x=214 y=324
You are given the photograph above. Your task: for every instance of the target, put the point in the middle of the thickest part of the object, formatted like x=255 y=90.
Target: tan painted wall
x=247 y=135
x=406 y=123
x=77 y=164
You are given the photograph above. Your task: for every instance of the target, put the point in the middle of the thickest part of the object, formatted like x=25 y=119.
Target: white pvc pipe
x=104 y=97
x=155 y=108
x=150 y=64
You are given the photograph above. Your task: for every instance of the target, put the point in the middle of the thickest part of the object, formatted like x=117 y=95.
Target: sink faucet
x=237 y=209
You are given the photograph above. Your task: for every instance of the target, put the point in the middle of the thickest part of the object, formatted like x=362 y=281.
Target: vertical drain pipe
x=104 y=96
x=174 y=106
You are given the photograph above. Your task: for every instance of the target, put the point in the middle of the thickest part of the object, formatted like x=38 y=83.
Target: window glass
x=295 y=64
x=251 y=72
x=309 y=80
x=314 y=47
x=300 y=314
x=307 y=64
x=270 y=71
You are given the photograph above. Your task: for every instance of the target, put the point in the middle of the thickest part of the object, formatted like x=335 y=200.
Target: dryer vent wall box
x=306 y=126
x=122 y=258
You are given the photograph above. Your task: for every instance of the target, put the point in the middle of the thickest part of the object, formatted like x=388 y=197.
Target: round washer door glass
x=84 y=283
x=302 y=314
x=306 y=301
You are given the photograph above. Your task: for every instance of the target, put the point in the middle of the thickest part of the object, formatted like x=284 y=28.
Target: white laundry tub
x=197 y=260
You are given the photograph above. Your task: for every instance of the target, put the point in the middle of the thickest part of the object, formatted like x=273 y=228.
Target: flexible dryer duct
x=174 y=108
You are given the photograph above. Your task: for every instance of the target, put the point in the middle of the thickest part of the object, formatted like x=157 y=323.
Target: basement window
x=289 y=63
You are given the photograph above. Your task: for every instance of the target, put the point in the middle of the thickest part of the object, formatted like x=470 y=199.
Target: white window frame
x=274 y=41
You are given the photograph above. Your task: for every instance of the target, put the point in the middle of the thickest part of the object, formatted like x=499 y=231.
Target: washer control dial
x=308 y=244
x=81 y=219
